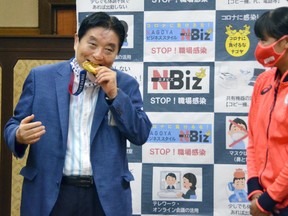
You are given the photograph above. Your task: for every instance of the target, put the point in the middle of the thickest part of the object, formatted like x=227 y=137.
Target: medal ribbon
x=81 y=83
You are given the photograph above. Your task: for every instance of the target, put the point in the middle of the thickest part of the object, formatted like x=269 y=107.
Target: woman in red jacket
x=267 y=151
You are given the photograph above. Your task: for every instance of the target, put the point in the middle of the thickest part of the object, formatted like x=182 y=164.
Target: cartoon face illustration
x=170 y=180
x=239 y=184
x=189 y=183
x=186 y=183
x=238 y=132
x=238 y=187
x=237 y=129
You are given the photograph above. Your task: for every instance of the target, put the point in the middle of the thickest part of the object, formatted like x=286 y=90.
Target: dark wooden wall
x=12 y=49
x=53 y=40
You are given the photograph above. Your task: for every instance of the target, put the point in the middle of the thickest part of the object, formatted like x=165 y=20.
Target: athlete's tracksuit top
x=267 y=151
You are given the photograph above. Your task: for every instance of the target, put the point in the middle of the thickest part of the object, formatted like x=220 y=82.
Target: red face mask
x=266 y=55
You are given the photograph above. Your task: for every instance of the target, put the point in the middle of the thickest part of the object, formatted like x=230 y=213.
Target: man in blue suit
x=77 y=163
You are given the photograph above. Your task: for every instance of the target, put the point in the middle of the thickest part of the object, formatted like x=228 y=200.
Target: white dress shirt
x=82 y=108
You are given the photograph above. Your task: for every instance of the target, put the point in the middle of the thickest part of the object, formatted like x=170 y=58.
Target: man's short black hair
x=171 y=175
x=102 y=19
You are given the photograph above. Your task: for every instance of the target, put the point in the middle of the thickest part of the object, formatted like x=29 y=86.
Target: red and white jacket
x=267 y=151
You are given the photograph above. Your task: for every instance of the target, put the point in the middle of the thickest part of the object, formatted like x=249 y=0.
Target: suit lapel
x=100 y=111
x=63 y=98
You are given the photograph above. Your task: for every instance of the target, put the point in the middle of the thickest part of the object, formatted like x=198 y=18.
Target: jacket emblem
x=266 y=89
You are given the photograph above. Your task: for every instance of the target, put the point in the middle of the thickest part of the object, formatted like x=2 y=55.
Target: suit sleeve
x=253 y=180
x=127 y=111
x=22 y=110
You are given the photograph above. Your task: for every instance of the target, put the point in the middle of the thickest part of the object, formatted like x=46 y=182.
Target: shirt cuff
x=109 y=101
x=266 y=203
x=254 y=185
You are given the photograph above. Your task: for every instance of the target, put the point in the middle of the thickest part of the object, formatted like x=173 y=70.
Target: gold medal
x=90 y=67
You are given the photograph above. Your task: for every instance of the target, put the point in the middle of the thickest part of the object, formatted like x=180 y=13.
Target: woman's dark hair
x=272 y=23
x=192 y=179
x=102 y=19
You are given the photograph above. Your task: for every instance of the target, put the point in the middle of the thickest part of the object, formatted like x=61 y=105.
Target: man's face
x=98 y=45
x=237 y=128
x=237 y=132
x=170 y=180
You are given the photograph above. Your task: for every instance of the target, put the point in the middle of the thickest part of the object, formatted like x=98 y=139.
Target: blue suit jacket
x=45 y=94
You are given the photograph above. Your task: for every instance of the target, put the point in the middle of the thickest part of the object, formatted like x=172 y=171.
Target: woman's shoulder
x=267 y=76
x=268 y=73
